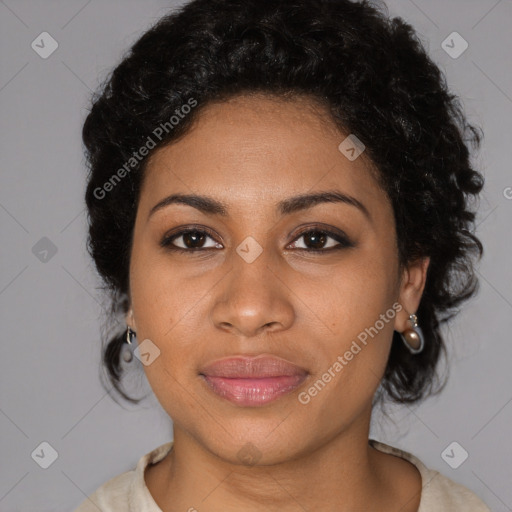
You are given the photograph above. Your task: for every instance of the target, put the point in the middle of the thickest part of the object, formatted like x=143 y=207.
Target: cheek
x=354 y=357
x=167 y=313
x=357 y=295
x=170 y=309
x=163 y=295
x=358 y=310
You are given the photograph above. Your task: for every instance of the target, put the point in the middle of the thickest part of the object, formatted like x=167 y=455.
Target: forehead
x=254 y=149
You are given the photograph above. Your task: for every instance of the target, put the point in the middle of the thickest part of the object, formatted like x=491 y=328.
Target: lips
x=251 y=382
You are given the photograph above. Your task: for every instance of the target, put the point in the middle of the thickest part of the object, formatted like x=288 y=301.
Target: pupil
x=317 y=238
x=192 y=238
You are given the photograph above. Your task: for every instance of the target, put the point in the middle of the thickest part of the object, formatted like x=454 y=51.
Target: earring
x=127 y=352
x=129 y=334
x=413 y=338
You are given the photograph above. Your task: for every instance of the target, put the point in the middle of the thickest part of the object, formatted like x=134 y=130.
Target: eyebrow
x=287 y=206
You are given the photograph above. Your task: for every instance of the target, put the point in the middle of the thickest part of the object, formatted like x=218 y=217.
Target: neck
x=340 y=473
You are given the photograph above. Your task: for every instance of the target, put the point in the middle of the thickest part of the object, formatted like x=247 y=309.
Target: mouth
x=252 y=382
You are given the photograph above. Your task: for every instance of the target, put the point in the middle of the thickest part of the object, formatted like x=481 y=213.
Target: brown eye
x=194 y=239
x=321 y=241
x=315 y=240
x=190 y=240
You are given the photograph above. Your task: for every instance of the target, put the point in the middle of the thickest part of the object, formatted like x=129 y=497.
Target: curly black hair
x=377 y=81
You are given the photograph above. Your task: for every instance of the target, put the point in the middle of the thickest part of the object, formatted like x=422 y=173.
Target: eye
x=196 y=239
x=190 y=239
x=321 y=240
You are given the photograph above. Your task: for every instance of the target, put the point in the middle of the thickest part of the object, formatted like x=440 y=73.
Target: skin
x=250 y=153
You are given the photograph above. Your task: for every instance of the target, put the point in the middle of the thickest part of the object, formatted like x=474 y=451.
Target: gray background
x=51 y=311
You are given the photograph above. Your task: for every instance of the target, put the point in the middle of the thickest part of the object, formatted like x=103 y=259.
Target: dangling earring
x=413 y=337
x=127 y=353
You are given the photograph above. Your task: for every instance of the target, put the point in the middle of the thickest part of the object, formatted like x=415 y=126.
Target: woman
x=279 y=202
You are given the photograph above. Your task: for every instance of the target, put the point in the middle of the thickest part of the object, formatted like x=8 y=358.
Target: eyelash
x=343 y=240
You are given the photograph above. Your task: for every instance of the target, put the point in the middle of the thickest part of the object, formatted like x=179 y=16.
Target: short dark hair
x=378 y=83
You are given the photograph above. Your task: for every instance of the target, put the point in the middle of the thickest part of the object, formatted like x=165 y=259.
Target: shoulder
x=127 y=491
x=111 y=496
x=439 y=493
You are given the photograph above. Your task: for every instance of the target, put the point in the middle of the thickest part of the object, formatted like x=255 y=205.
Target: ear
x=130 y=320
x=413 y=282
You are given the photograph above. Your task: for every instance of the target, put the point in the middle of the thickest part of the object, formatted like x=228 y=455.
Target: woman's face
x=258 y=287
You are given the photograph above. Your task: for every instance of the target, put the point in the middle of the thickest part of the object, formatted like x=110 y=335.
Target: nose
x=254 y=298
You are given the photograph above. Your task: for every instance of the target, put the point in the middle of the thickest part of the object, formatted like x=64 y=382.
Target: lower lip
x=253 y=392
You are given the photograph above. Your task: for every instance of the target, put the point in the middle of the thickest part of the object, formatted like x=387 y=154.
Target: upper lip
x=252 y=367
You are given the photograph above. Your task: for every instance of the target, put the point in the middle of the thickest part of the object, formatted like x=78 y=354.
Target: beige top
x=128 y=492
